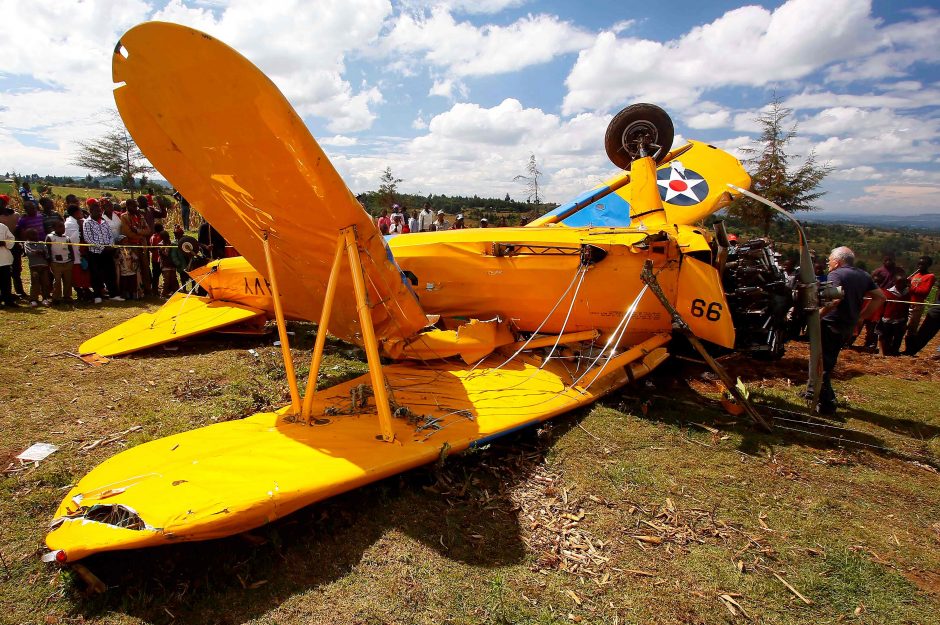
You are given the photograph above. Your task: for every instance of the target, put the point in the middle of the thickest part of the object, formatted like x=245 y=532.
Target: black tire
x=639 y=127
x=188 y=246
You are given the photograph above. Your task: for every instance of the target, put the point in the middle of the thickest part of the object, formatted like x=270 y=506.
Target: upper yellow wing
x=226 y=137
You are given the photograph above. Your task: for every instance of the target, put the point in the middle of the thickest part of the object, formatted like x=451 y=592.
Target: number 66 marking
x=712 y=312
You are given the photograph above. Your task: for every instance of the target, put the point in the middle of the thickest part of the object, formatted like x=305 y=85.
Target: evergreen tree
x=389 y=187
x=772 y=175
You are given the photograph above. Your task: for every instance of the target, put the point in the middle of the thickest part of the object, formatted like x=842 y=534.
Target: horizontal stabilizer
x=179 y=318
x=692 y=182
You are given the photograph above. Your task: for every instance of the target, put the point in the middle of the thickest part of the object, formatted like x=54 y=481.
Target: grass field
x=650 y=507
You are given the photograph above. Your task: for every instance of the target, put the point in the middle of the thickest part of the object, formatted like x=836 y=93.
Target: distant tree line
x=869 y=243
x=44 y=183
x=474 y=207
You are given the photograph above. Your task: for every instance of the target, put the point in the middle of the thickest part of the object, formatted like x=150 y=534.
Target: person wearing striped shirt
x=98 y=233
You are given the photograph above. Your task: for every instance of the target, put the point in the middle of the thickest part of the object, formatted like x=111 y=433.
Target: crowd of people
x=399 y=221
x=97 y=250
x=888 y=305
x=102 y=249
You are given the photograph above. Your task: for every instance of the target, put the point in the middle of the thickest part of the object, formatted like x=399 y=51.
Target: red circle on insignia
x=678 y=185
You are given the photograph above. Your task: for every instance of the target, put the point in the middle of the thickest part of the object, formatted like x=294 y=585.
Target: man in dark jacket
x=842 y=319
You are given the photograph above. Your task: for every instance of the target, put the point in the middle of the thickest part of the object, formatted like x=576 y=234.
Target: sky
x=454 y=95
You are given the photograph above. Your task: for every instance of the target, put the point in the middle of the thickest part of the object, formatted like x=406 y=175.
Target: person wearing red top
x=156 y=239
x=922 y=282
x=384 y=222
x=894 y=316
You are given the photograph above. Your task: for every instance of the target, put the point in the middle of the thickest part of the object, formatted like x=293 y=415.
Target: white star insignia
x=680 y=184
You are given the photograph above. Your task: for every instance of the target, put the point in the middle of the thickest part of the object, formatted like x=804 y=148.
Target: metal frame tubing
x=282 y=329
x=317 y=358
x=368 y=336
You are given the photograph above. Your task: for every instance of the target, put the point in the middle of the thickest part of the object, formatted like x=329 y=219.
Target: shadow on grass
x=680 y=405
x=461 y=509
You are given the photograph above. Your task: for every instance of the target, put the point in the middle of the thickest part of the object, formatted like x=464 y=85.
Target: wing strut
x=282 y=329
x=349 y=240
x=679 y=323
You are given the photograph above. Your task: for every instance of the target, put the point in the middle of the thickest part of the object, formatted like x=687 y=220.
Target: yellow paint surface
x=180 y=317
x=232 y=144
x=233 y=476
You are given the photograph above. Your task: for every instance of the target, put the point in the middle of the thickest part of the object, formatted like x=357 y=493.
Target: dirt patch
x=926 y=581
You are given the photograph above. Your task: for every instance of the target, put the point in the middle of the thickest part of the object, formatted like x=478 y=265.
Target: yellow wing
x=692 y=183
x=181 y=317
x=220 y=130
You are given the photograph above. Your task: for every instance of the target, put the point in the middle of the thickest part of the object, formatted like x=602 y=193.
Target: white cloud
x=339 y=141
x=448 y=88
x=900 y=45
x=473 y=149
x=419 y=123
x=746 y=46
x=467 y=50
x=717 y=119
x=902 y=199
x=862 y=172
x=464 y=6
x=62 y=52
x=899 y=95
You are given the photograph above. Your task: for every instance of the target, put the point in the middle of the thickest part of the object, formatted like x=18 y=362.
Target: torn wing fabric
x=226 y=137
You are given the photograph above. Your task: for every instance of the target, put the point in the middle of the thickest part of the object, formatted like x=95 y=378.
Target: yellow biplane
x=489 y=330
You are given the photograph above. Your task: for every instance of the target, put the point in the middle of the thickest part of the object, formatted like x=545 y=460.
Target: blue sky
x=454 y=95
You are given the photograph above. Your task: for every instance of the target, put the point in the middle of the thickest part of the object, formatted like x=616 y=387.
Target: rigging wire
x=615 y=337
x=574 y=298
x=540 y=326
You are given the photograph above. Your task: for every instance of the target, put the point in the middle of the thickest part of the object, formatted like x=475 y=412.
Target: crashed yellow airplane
x=528 y=323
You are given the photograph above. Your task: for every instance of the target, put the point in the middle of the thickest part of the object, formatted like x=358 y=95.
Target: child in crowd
x=183 y=264
x=156 y=239
x=168 y=265
x=129 y=264
x=62 y=257
x=40 y=280
x=893 y=322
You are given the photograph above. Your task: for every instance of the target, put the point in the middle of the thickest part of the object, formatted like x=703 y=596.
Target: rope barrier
x=128 y=246
x=900 y=301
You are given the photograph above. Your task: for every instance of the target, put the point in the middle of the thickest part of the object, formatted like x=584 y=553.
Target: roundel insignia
x=681 y=186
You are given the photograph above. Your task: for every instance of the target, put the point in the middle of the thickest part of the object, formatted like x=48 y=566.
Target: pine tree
x=389 y=187
x=772 y=175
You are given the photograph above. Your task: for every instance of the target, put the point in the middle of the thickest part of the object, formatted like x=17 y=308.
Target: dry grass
x=651 y=507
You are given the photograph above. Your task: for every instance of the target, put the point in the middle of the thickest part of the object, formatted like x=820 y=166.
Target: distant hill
x=926 y=221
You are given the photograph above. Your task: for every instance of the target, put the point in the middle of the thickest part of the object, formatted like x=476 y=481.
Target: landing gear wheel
x=636 y=131
x=188 y=245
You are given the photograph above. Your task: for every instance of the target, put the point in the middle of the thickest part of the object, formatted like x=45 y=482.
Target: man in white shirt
x=109 y=215
x=425 y=218
x=73 y=229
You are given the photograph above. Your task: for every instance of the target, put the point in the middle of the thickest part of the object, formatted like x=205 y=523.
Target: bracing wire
x=615 y=337
x=578 y=273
